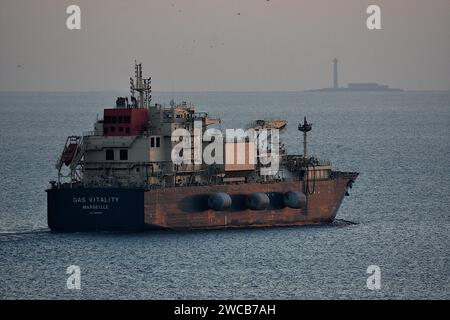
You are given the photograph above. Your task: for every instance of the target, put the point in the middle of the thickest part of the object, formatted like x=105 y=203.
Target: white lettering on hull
x=95 y=200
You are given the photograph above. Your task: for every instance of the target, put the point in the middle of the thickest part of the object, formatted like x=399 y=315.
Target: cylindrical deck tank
x=219 y=201
x=257 y=201
x=294 y=199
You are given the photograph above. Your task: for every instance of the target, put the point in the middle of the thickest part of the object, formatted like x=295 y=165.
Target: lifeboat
x=69 y=153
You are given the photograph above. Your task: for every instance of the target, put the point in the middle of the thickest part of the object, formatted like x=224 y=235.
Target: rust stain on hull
x=181 y=208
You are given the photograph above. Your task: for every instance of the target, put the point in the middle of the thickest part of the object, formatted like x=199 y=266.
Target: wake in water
x=18 y=234
x=24 y=231
x=342 y=223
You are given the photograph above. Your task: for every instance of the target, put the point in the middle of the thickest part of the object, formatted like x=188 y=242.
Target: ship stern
x=95 y=209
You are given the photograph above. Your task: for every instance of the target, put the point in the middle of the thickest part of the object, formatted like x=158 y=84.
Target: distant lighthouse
x=335 y=74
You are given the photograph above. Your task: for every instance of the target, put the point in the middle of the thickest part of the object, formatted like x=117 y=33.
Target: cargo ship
x=122 y=176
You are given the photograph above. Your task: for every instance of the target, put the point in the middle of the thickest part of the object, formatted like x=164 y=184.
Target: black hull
x=95 y=209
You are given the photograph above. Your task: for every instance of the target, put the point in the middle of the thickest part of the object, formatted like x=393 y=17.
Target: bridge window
x=155 y=142
x=123 y=154
x=109 y=154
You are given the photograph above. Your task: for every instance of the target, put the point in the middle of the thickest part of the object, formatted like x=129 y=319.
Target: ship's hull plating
x=179 y=208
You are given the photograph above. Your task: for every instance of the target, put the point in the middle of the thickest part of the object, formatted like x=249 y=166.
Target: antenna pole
x=305 y=128
x=142 y=86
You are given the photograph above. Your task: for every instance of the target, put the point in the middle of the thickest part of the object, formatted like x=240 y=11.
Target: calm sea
x=399 y=142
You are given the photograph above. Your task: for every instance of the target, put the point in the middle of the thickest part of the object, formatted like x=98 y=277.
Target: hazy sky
x=223 y=45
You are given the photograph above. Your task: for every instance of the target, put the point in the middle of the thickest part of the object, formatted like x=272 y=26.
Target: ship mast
x=142 y=86
x=305 y=128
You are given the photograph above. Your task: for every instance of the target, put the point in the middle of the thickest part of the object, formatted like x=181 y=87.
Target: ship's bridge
x=124 y=121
